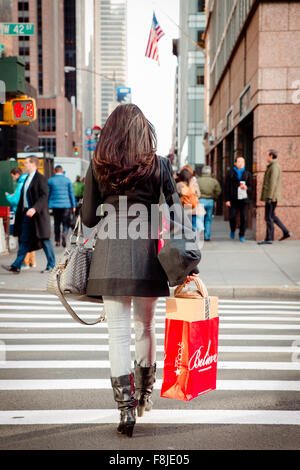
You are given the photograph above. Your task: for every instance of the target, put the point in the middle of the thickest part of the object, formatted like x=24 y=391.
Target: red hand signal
x=18 y=109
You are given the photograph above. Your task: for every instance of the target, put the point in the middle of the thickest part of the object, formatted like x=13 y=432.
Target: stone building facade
x=252 y=101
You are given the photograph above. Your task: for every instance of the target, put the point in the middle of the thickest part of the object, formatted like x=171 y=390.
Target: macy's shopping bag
x=191 y=346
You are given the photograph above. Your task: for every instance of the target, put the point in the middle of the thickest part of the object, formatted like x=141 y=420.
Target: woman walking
x=125 y=268
x=189 y=193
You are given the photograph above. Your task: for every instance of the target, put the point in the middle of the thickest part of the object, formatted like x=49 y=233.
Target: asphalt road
x=55 y=389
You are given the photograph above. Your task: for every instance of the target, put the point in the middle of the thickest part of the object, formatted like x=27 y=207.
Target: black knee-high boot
x=123 y=389
x=144 y=381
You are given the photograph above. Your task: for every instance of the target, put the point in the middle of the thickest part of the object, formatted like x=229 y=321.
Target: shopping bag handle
x=201 y=291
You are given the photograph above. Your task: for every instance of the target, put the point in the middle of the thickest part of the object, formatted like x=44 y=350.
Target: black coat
x=124 y=266
x=232 y=183
x=37 y=195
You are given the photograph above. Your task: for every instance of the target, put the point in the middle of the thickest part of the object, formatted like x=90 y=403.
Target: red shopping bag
x=191 y=347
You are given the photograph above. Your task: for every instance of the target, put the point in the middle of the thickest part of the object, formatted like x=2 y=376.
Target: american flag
x=156 y=33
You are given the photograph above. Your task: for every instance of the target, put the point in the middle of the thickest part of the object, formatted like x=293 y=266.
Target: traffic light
x=19 y=111
x=76 y=150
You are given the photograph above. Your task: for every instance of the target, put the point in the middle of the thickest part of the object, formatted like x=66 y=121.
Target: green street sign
x=17 y=29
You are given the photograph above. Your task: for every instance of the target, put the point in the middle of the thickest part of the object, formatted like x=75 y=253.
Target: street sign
x=124 y=94
x=89 y=131
x=17 y=29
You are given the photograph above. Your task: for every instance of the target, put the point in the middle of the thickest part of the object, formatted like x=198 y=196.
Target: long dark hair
x=126 y=152
x=185 y=176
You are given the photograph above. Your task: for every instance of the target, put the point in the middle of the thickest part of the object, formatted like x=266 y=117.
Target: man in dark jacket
x=62 y=201
x=32 y=223
x=238 y=187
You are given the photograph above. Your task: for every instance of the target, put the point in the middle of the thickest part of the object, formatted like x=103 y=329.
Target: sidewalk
x=228 y=267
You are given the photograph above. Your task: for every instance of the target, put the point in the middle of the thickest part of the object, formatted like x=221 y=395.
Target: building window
x=23 y=6
x=200 y=75
x=47 y=120
x=49 y=144
x=201 y=5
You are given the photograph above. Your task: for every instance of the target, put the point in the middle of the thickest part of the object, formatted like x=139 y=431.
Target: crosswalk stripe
x=159 y=348
x=105 y=384
x=162 y=299
x=55 y=316
x=81 y=336
x=159 y=325
x=95 y=364
x=158 y=416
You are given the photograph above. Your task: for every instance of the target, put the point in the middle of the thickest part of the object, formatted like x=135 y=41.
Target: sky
x=152 y=85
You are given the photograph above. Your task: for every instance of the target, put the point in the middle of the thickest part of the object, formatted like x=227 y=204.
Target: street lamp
x=27 y=148
x=69 y=68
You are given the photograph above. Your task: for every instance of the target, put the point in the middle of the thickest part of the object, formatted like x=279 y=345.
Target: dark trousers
x=27 y=234
x=241 y=207
x=272 y=219
x=61 y=217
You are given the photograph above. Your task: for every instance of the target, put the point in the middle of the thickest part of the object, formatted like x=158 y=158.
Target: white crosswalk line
x=105 y=384
x=159 y=348
x=95 y=364
x=111 y=416
x=159 y=325
x=81 y=336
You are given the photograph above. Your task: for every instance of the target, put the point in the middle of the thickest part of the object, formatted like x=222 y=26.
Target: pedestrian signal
x=20 y=110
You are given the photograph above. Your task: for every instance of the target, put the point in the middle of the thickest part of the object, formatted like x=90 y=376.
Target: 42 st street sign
x=17 y=29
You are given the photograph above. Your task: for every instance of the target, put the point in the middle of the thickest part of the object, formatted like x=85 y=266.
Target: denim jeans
x=27 y=234
x=118 y=313
x=208 y=205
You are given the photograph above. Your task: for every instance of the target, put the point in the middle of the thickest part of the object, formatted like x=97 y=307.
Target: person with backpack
x=189 y=192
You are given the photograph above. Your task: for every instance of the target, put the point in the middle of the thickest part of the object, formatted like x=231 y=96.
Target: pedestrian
x=124 y=269
x=238 y=186
x=271 y=194
x=62 y=201
x=19 y=177
x=78 y=187
x=210 y=191
x=189 y=193
x=32 y=223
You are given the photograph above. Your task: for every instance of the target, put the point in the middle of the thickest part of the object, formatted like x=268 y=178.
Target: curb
x=232 y=292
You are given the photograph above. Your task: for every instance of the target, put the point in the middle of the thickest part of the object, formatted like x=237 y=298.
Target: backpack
x=188 y=196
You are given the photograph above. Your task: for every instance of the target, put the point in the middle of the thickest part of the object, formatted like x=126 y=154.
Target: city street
x=55 y=390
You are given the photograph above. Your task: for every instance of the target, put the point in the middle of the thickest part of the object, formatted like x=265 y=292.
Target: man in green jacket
x=271 y=194
x=210 y=190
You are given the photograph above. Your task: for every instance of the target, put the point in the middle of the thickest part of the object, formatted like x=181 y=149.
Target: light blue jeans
x=208 y=205
x=118 y=314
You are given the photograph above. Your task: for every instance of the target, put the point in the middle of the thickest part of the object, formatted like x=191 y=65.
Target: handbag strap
x=69 y=308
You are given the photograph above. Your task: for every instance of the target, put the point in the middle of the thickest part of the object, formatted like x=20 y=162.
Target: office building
x=191 y=60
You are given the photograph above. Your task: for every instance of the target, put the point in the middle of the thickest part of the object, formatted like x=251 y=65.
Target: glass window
x=200 y=74
x=201 y=5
